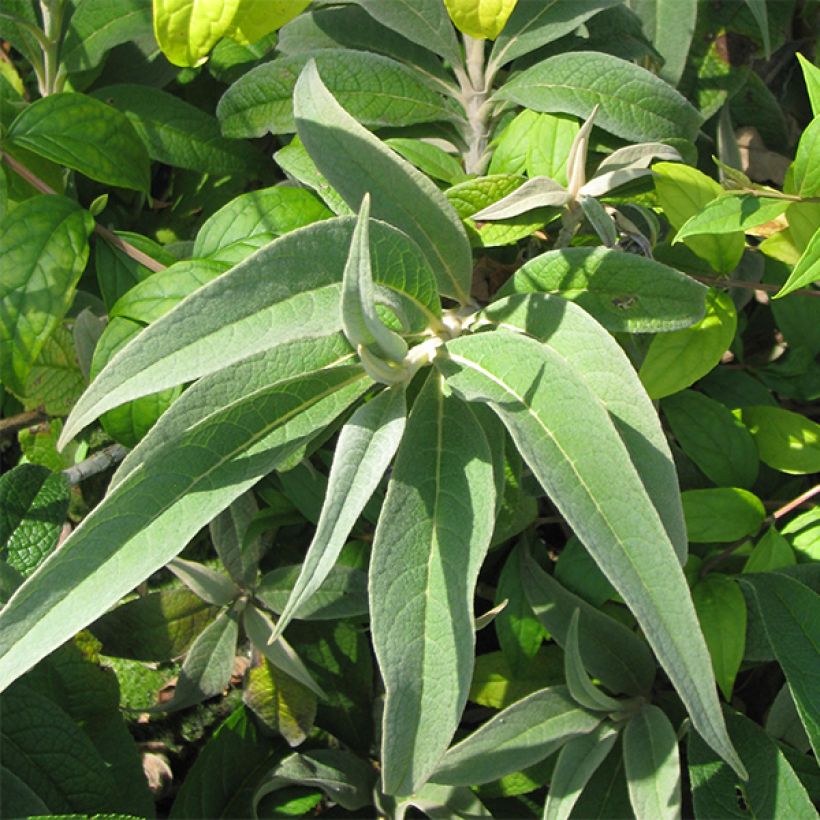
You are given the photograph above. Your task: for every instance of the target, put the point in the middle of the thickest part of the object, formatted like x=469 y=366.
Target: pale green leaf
x=247 y=311
x=624 y=292
x=208 y=666
x=577 y=762
x=364 y=449
x=652 y=765
x=786 y=441
x=429 y=158
x=442 y=803
x=669 y=25
x=356 y=162
x=157 y=508
x=678 y=359
x=807 y=269
x=600 y=363
x=731 y=213
x=178 y=133
x=683 y=192
x=534 y=23
x=572 y=446
x=483 y=19
x=212 y=586
x=433 y=532
x=791 y=615
x=256 y=19
x=517 y=737
x=582 y=689
x=375 y=90
x=538 y=192
x=721 y=610
x=722 y=514
x=634 y=104
x=86 y=135
x=44 y=248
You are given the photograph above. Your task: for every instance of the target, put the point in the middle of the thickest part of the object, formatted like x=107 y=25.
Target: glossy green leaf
x=811 y=74
x=208 y=664
x=483 y=19
x=791 y=615
x=731 y=213
x=652 y=765
x=269 y=211
x=592 y=356
x=178 y=133
x=86 y=135
x=721 y=610
x=55 y=380
x=44 y=247
x=433 y=532
x=787 y=441
x=356 y=162
x=713 y=438
x=246 y=311
x=364 y=449
x=96 y=26
x=609 y=650
x=569 y=441
x=771 y=552
x=721 y=514
x=582 y=689
x=522 y=734
x=157 y=627
x=683 y=193
x=534 y=23
x=577 y=762
x=624 y=292
x=806 y=167
x=807 y=269
x=281 y=703
x=772 y=790
x=153 y=512
x=375 y=90
x=33 y=509
x=678 y=359
x=634 y=104
x=424 y=22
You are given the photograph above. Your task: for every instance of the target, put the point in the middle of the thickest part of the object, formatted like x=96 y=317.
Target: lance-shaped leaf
x=433 y=532
x=360 y=322
x=247 y=311
x=627 y=164
x=807 y=269
x=652 y=765
x=538 y=192
x=731 y=213
x=595 y=358
x=572 y=446
x=238 y=549
x=635 y=104
x=517 y=737
x=356 y=162
x=365 y=448
x=438 y=803
x=791 y=615
x=44 y=248
x=582 y=689
x=208 y=666
x=611 y=651
x=624 y=292
x=577 y=762
x=669 y=25
x=599 y=219
x=210 y=585
x=150 y=516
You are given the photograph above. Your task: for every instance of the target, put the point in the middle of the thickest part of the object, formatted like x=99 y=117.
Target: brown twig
x=21 y=421
x=126 y=247
x=97 y=463
x=796 y=502
x=739 y=283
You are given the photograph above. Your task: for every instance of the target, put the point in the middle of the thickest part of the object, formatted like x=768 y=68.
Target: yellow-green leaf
x=255 y=19
x=483 y=19
x=787 y=441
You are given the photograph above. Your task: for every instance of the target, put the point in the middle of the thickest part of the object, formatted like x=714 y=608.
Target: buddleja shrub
x=293 y=327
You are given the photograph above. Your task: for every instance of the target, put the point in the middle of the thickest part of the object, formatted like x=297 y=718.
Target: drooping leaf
x=522 y=734
x=356 y=162
x=33 y=508
x=44 y=247
x=634 y=103
x=787 y=441
x=375 y=90
x=85 y=134
x=721 y=610
x=624 y=292
x=563 y=435
x=678 y=359
x=577 y=762
x=652 y=765
x=433 y=532
x=364 y=449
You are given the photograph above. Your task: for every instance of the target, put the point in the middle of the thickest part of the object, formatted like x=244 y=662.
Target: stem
x=52 y=13
x=126 y=247
x=21 y=421
x=97 y=463
x=739 y=283
x=796 y=502
x=475 y=92
x=569 y=225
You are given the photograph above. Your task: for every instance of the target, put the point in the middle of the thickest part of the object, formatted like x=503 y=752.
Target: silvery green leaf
x=238 y=550
x=538 y=192
x=208 y=584
x=580 y=686
x=600 y=220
